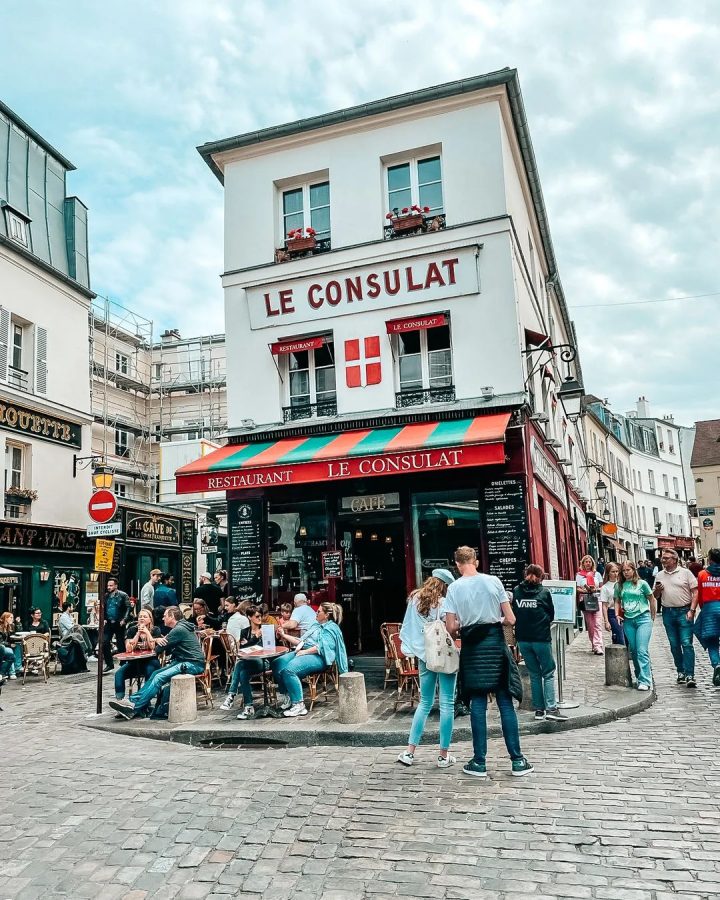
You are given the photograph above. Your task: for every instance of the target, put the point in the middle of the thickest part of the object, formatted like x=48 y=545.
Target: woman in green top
x=635 y=609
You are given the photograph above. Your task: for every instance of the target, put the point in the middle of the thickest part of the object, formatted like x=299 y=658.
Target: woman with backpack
x=423 y=610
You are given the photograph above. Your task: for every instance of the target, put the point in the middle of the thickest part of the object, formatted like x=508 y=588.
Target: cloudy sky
x=622 y=100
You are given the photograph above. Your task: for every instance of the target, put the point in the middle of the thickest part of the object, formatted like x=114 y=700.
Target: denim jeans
x=132 y=669
x=713 y=650
x=446 y=690
x=638 y=632
x=618 y=635
x=242 y=673
x=680 y=637
x=508 y=720
x=7 y=660
x=541 y=667
x=290 y=668
x=159 y=679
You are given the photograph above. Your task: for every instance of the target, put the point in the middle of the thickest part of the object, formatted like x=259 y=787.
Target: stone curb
x=216 y=736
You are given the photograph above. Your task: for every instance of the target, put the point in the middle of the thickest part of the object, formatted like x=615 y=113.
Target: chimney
x=643 y=408
x=172 y=334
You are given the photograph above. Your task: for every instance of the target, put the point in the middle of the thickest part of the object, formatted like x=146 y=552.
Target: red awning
x=415 y=323
x=536 y=337
x=280 y=347
x=399 y=449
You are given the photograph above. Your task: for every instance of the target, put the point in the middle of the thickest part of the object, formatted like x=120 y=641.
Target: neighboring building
x=705 y=464
x=609 y=456
x=394 y=388
x=44 y=383
x=687 y=441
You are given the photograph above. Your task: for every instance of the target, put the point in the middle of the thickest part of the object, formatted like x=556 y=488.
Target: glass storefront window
x=442 y=522
x=297 y=535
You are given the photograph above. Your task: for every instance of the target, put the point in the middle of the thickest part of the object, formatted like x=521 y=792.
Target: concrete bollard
x=183 y=702
x=352 y=699
x=617 y=666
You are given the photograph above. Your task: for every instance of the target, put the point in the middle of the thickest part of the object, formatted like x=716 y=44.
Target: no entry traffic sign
x=102 y=506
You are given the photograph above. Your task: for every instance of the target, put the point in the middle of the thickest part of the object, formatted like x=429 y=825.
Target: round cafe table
x=138 y=654
x=265 y=656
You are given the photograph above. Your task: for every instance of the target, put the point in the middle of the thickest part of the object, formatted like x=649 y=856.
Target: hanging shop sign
x=152 y=529
x=416 y=279
x=371 y=503
x=281 y=347
x=416 y=323
x=546 y=472
x=32 y=423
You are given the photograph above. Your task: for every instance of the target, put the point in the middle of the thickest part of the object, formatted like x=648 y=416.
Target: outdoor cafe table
x=138 y=654
x=265 y=656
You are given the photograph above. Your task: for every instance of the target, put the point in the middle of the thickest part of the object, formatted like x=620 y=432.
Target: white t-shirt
x=475 y=599
x=607 y=593
x=305 y=616
x=236 y=624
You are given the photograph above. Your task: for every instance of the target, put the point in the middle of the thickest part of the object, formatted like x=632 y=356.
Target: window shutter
x=4 y=340
x=40 y=360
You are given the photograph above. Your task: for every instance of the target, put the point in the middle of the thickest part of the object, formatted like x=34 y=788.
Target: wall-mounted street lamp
x=601 y=489
x=571 y=394
x=44 y=573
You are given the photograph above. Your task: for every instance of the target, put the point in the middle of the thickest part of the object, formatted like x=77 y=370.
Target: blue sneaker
x=479 y=770
x=521 y=767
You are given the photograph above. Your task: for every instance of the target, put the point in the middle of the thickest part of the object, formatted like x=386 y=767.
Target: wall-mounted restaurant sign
x=152 y=529
x=36 y=424
x=371 y=503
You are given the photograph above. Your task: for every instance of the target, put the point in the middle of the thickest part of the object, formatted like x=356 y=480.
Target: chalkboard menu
x=332 y=564
x=245 y=545
x=506 y=530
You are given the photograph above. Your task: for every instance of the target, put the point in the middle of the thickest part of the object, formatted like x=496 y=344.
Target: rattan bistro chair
x=204 y=679
x=318 y=684
x=407 y=674
x=36 y=655
x=387 y=629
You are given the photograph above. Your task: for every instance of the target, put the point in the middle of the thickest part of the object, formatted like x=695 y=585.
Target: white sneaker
x=643 y=687
x=228 y=702
x=297 y=709
x=283 y=701
x=13 y=676
x=92 y=659
x=247 y=713
x=444 y=762
x=407 y=759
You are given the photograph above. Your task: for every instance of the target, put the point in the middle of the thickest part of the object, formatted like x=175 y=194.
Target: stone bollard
x=527 y=690
x=352 y=699
x=183 y=702
x=617 y=666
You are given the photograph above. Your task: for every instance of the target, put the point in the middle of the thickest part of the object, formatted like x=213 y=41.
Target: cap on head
x=444 y=575
x=207 y=576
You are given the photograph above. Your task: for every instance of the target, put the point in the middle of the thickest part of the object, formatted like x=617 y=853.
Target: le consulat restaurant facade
x=395 y=327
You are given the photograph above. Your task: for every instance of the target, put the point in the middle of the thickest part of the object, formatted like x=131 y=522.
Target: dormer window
x=17 y=226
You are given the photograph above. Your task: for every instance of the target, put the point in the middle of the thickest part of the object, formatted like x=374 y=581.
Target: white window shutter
x=40 y=360
x=4 y=341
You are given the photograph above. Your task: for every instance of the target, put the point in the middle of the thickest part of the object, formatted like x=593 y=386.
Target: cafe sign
x=371 y=503
x=152 y=529
x=31 y=423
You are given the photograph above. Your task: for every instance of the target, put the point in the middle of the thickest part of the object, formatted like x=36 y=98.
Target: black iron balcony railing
x=309 y=410
x=428 y=395
x=18 y=378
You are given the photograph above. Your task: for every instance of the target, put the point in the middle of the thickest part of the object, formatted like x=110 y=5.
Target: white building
x=446 y=322
x=44 y=374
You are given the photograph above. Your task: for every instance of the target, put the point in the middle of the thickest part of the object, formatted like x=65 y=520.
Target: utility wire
x=643 y=302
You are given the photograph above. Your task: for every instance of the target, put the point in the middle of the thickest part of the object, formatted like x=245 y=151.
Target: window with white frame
x=311 y=382
x=651 y=479
x=17 y=227
x=122 y=442
x=416 y=182
x=424 y=360
x=120 y=489
x=644 y=519
x=676 y=488
x=656 y=518
x=307 y=205
x=671 y=445
x=14 y=465
x=122 y=363
x=666 y=486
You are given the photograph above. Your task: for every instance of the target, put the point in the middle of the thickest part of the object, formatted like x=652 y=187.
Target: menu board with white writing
x=245 y=548
x=506 y=530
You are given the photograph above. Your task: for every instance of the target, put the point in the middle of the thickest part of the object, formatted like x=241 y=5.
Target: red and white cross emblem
x=362 y=362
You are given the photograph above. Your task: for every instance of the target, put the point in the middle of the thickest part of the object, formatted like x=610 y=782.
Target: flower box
x=409 y=222
x=302 y=245
x=18 y=499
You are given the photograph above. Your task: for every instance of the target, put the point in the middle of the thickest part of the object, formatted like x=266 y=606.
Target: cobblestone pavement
x=624 y=811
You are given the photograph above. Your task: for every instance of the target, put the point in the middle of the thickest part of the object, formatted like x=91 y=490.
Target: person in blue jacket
x=320 y=647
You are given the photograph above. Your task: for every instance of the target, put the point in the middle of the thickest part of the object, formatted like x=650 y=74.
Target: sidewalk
x=585 y=684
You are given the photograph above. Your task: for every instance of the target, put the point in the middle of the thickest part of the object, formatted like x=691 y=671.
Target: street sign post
x=104 y=529
x=104 y=551
x=102 y=506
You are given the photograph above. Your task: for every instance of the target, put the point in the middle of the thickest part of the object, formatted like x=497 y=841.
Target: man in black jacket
x=117 y=610
x=187 y=659
x=534 y=614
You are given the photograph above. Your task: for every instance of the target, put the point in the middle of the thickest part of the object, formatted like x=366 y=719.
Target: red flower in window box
x=301 y=240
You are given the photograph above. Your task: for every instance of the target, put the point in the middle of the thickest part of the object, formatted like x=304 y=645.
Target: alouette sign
x=379 y=286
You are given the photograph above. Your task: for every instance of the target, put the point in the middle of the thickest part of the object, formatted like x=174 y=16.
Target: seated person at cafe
x=286 y=611
x=303 y=616
x=7 y=628
x=236 y=622
x=246 y=667
x=66 y=622
x=316 y=650
x=7 y=654
x=37 y=623
x=201 y=617
x=187 y=658
x=140 y=638
x=268 y=618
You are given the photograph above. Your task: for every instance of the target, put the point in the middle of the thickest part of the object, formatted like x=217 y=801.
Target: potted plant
x=20 y=496
x=301 y=240
x=409 y=218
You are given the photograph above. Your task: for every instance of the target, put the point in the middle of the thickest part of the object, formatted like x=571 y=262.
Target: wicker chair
x=386 y=629
x=320 y=680
x=408 y=690
x=204 y=679
x=36 y=655
x=230 y=647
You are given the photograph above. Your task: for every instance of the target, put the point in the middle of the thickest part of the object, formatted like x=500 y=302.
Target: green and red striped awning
x=350 y=454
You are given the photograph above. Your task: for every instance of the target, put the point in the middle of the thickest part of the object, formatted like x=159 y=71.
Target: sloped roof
x=706 y=450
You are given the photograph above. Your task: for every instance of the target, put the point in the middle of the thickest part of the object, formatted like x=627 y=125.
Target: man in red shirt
x=707 y=627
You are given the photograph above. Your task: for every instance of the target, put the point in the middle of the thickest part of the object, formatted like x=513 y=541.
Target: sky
x=622 y=101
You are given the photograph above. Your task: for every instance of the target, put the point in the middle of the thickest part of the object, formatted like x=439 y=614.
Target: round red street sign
x=102 y=506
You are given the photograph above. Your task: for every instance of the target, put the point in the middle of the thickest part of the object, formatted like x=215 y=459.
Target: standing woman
x=607 y=603
x=635 y=609
x=424 y=607
x=588 y=596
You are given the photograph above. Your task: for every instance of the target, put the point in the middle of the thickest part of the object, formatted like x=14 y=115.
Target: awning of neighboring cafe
x=9 y=576
x=401 y=449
